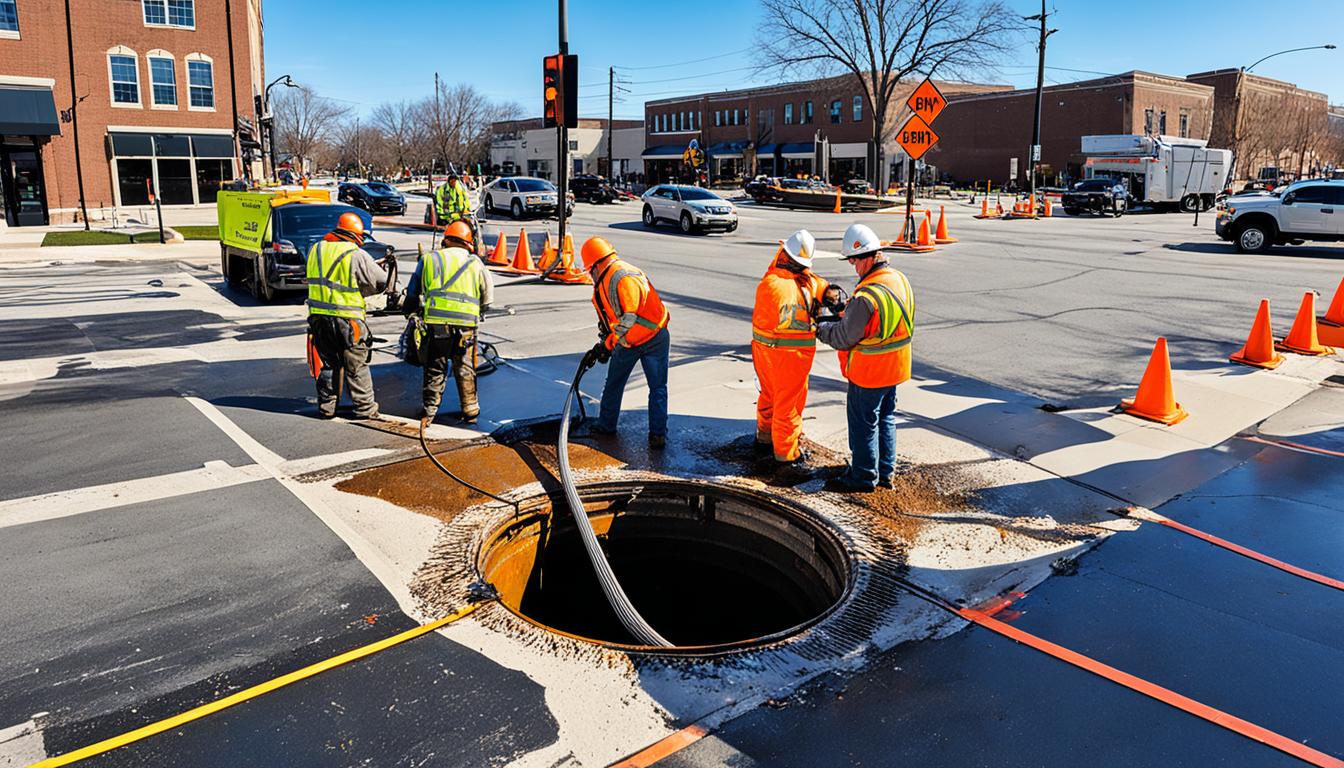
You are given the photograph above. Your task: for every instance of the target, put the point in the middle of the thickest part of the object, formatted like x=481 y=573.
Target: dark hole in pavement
x=704 y=565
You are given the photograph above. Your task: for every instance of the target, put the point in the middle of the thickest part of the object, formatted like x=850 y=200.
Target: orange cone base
x=1175 y=417
x=1240 y=357
x=909 y=246
x=1319 y=351
x=944 y=240
x=573 y=278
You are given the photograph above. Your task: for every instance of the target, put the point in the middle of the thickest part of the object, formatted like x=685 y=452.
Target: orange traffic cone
x=1048 y=212
x=984 y=208
x=500 y=256
x=522 y=258
x=1335 y=314
x=1303 y=339
x=1031 y=204
x=1155 y=400
x=837 y=200
x=998 y=208
x=1259 y=348
x=550 y=259
x=567 y=250
x=925 y=238
x=941 y=237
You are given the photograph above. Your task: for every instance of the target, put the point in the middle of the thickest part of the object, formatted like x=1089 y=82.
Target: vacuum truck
x=1160 y=171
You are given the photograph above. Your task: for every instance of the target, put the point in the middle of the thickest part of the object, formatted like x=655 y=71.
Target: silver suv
x=694 y=209
x=1304 y=210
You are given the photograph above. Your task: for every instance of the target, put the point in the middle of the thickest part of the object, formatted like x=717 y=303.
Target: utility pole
x=1033 y=152
x=429 y=179
x=562 y=133
x=611 y=93
x=74 y=115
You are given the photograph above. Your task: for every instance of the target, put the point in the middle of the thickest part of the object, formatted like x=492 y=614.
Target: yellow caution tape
x=183 y=718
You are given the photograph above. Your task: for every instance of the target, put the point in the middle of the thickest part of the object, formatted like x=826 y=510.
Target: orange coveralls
x=783 y=343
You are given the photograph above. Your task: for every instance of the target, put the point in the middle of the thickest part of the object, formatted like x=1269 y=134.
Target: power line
x=692 y=61
x=688 y=77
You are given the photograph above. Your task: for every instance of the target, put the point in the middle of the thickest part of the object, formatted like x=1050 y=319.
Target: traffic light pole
x=562 y=133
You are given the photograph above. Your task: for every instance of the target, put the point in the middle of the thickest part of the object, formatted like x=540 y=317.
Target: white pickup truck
x=1305 y=210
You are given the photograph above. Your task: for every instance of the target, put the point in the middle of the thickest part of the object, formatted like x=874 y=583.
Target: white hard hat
x=800 y=246
x=859 y=241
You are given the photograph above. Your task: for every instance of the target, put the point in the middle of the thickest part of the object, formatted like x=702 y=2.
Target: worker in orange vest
x=783 y=343
x=873 y=339
x=632 y=323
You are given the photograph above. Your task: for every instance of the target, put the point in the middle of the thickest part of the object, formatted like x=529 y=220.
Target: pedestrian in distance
x=632 y=326
x=450 y=290
x=874 y=342
x=783 y=344
x=340 y=274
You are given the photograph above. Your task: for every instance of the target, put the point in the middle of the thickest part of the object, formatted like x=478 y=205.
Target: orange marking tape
x=663 y=747
x=1152 y=690
x=1252 y=554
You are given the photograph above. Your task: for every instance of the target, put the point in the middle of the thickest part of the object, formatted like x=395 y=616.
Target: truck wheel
x=1190 y=204
x=261 y=289
x=1254 y=237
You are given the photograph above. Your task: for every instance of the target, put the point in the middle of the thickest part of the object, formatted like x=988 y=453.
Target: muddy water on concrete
x=419 y=486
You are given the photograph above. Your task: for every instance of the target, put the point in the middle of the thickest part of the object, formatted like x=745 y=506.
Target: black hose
x=425 y=445
x=620 y=603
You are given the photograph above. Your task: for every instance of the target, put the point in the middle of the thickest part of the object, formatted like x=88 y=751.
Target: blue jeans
x=872 y=434
x=652 y=357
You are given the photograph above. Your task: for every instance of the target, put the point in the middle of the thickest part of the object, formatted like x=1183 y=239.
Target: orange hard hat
x=594 y=250
x=459 y=230
x=351 y=222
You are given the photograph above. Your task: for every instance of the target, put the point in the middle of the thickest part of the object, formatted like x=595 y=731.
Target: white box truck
x=1160 y=171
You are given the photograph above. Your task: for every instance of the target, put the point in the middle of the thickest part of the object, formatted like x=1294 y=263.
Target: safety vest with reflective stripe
x=450 y=282
x=450 y=203
x=782 y=316
x=331 y=280
x=882 y=358
x=650 y=315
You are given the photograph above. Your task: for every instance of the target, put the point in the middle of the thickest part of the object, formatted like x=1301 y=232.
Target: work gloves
x=598 y=355
x=832 y=305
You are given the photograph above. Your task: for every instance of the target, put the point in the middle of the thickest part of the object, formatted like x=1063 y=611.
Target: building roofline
x=767 y=90
x=1110 y=81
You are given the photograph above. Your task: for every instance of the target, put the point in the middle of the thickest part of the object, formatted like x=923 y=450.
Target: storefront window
x=210 y=175
x=133 y=178
x=175 y=181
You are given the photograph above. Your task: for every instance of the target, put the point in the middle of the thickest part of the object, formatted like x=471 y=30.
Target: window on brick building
x=1162 y=122
x=718 y=117
x=835 y=111
x=807 y=112
x=1148 y=122
x=858 y=109
x=200 y=82
x=124 y=75
x=1185 y=124
x=162 y=79
x=9 y=16
x=170 y=13
x=788 y=114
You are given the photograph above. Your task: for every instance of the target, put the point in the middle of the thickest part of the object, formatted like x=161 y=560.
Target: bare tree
x=304 y=120
x=402 y=133
x=883 y=42
x=457 y=123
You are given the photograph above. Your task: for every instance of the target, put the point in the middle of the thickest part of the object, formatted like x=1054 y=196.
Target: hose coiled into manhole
x=620 y=603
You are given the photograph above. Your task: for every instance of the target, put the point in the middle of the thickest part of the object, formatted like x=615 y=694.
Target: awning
x=802 y=150
x=766 y=150
x=727 y=149
x=27 y=111
x=663 y=152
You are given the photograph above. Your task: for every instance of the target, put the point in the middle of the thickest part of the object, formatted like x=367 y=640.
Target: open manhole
x=711 y=568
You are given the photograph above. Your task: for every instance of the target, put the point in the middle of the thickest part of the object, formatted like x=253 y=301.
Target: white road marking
x=23 y=744
x=50 y=506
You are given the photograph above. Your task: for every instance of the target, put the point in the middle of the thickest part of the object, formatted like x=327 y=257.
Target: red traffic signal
x=560 y=90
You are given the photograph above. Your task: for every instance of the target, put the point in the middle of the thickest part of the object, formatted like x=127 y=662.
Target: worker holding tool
x=873 y=339
x=632 y=325
x=450 y=290
x=450 y=201
x=340 y=274
x=783 y=343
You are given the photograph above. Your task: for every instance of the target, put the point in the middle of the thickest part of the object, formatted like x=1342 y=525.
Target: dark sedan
x=376 y=197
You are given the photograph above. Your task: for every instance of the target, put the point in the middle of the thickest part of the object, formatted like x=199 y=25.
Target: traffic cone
x=998 y=208
x=984 y=208
x=567 y=250
x=941 y=237
x=500 y=256
x=1155 y=400
x=522 y=258
x=1048 y=212
x=1335 y=314
x=1031 y=205
x=837 y=200
x=550 y=259
x=1303 y=338
x=1259 y=348
x=925 y=239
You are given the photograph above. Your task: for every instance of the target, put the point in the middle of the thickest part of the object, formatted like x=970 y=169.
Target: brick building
x=816 y=127
x=159 y=90
x=987 y=136
x=1268 y=123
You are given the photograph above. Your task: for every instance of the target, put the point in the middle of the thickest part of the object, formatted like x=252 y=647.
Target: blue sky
x=368 y=51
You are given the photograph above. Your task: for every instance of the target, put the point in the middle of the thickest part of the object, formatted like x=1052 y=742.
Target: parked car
x=287 y=229
x=1098 y=195
x=694 y=209
x=522 y=196
x=376 y=197
x=1304 y=210
x=592 y=189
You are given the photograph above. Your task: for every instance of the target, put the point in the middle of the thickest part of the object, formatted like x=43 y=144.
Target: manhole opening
x=710 y=568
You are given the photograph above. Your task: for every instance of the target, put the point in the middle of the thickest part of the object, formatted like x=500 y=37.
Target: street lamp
x=1236 y=113
x=1327 y=47
x=288 y=82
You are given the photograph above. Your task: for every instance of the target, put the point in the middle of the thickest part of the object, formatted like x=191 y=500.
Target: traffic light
x=560 y=90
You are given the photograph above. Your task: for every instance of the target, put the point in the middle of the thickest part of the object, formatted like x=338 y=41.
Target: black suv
x=1099 y=195
x=376 y=197
x=591 y=189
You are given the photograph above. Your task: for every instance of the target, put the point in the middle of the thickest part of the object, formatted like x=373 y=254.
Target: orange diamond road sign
x=916 y=137
x=926 y=101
